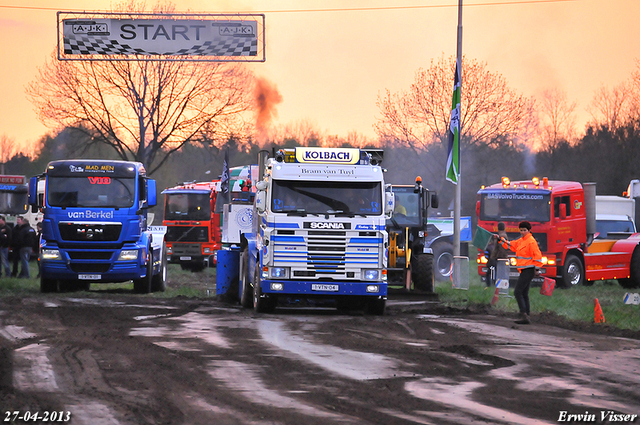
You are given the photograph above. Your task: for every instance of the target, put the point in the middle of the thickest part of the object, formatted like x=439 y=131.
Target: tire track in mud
x=127 y=362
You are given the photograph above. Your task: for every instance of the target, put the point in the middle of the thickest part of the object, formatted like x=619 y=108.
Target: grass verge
x=574 y=304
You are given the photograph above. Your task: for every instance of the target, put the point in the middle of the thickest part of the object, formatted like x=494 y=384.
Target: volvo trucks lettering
x=95 y=227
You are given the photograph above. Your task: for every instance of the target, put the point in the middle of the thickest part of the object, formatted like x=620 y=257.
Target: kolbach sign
x=163 y=37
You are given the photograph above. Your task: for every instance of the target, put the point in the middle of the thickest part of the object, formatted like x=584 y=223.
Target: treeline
x=610 y=158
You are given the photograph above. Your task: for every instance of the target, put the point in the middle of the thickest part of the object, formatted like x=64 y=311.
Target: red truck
x=563 y=221
x=193 y=227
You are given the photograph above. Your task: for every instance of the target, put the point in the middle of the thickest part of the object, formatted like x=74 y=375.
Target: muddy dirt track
x=122 y=359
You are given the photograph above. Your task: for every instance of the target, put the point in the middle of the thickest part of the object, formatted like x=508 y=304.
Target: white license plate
x=319 y=287
x=89 y=276
x=185 y=258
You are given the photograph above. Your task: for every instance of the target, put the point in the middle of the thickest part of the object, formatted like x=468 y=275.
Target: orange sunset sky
x=329 y=59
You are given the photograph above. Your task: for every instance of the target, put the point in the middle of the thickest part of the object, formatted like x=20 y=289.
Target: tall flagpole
x=458 y=196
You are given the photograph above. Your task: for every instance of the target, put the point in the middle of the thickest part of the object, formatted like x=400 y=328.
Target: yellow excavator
x=410 y=266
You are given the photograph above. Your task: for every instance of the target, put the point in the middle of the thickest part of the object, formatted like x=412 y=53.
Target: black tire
x=572 y=272
x=82 y=285
x=422 y=272
x=159 y=281
x=48 y=285
x=246 y=294
x=143 y=285
x=375 y=306
x=442 y=261
x=261 y=304
x=634 y=271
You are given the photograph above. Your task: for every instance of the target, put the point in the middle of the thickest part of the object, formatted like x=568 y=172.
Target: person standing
x=26 y=237
x=15 y=246
x=5 y=242
x=528 y=259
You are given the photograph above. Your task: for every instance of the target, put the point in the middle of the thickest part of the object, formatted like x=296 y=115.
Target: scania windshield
x=90 y=191
x=187 y=206
x=515 y=206
x=326 y=197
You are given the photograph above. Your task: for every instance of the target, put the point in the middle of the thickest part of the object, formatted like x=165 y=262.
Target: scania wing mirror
x=261 y=201
x=389 y=203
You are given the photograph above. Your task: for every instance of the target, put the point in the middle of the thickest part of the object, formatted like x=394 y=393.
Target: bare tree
x=558 y=121
x=492 y=113
x=612 y=108
x=145 y=110
x=8 y=148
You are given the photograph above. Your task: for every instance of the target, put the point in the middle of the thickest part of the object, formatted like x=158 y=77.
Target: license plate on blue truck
x=89 y=276
x=324 y=287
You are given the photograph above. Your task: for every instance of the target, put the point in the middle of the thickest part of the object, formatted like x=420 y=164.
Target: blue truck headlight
x=279 y=272
x=277 y=286
x=128 y=255
x=51 y=254
x=373 y=288
x=371 y=274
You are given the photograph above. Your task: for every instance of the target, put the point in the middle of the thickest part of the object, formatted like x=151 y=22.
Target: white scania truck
x=318 y=230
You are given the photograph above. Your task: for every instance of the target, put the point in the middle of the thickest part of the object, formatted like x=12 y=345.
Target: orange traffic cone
x=496 y=297
x=599 y=315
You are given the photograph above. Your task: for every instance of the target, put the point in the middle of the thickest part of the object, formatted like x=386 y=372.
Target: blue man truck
x=95 y=226
x=318 y=230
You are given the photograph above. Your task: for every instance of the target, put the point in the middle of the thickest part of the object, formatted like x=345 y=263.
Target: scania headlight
x=128 y=255
x=373 y=288
x=207 y=250
x=279 y=273
x=371 y=274
x=51 y=254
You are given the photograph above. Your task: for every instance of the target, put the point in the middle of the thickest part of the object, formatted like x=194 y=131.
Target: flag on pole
x=453 y=152
x=224 y=178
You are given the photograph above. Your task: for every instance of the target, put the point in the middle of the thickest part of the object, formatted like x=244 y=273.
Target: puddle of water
x=32 y=369
x=458 y=396
x=152 y=316
x=15 y=333
x=244 y=378
x=592 y=378
x=351 y=364
x=92 y=413
x=191 y=326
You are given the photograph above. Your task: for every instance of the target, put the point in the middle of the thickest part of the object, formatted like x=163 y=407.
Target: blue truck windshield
x=515 y=206
x=90 y=191
x=327 y=197
x=187 y=206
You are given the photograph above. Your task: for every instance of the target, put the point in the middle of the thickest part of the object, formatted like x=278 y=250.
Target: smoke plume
x=266 y=97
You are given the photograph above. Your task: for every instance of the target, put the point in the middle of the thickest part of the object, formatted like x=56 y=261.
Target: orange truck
x=563 y=221
x=193 y=226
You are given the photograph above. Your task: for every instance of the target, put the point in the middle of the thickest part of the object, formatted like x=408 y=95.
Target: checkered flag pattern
x=224 y=46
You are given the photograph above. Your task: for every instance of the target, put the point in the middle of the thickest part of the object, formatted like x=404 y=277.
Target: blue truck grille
x=90 y=267
x=326 y=254
x=90 y=231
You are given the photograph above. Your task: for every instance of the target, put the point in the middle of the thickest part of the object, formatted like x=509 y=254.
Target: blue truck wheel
x=143 y=285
